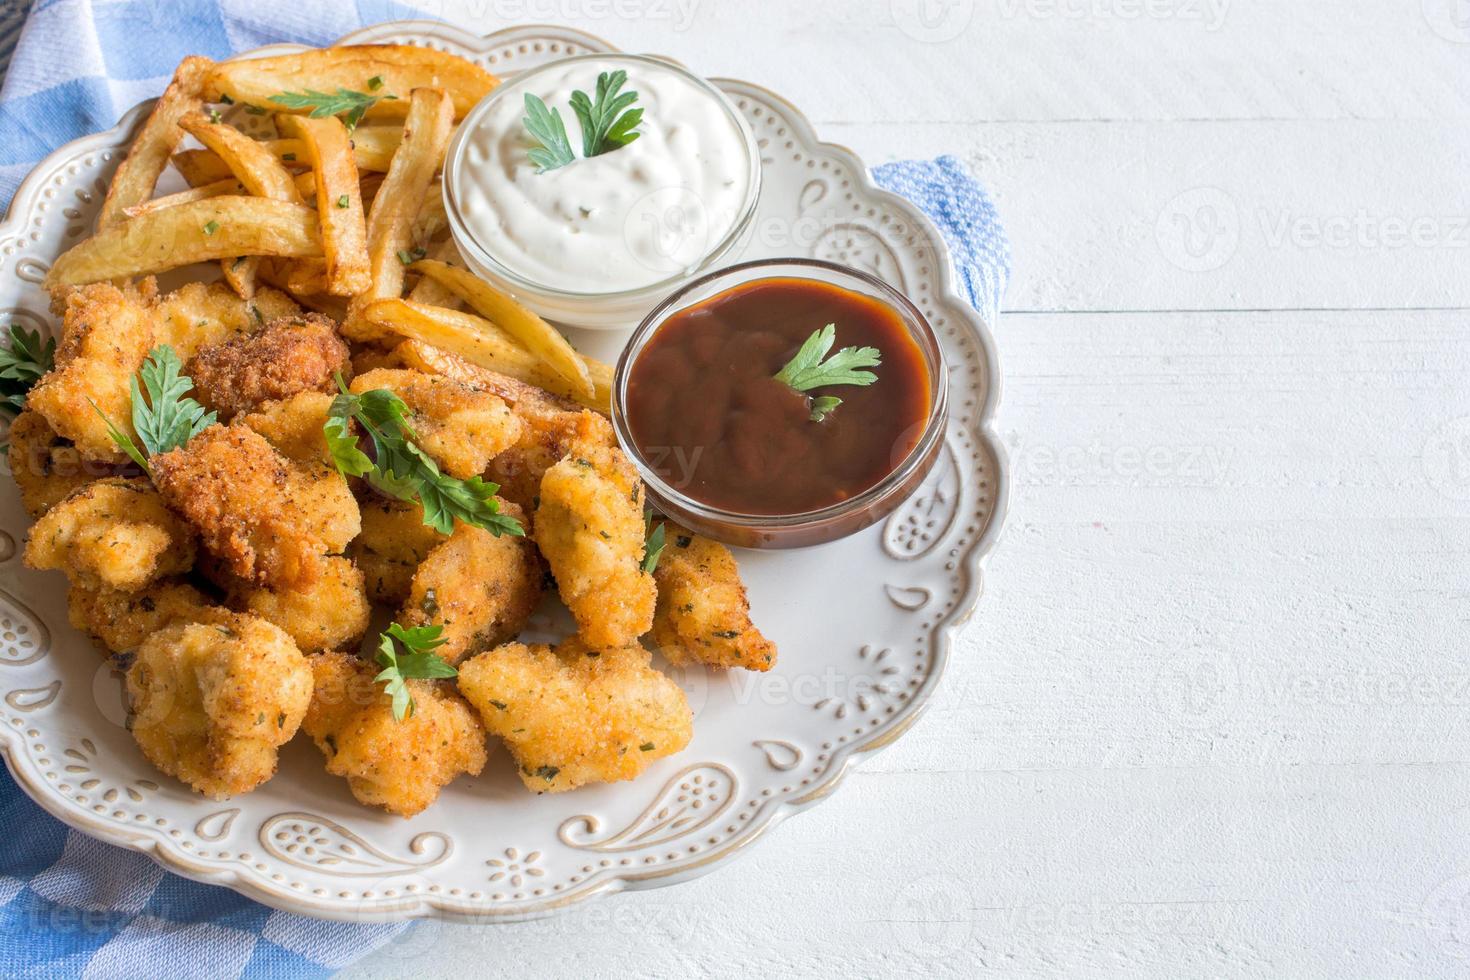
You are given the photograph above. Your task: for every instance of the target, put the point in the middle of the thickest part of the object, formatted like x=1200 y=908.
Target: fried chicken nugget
x=393 y=544
x=397 y=765
x=114 y=534
x=330 y=613
x=198 y=315
x=267 y=519
x=574 y=715
x=461 y=427
x=481 y=588
x=589 y=525
x=213 y=702
x=121 y=621
x=290 y=354
x=294 y=426
x=106 y=334
x=46 y=467
x=703 y=614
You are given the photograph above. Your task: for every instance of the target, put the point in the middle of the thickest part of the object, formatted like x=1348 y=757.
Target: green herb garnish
x=399 y=468
x=375 y=83
x=350 y=105
x=546 y=127
x=211 y=227
x=416 y=662
x=22 y=364
x=166 y=418
x=653 y=548
x=343 y=201
x=808 y=370
x=605 y=123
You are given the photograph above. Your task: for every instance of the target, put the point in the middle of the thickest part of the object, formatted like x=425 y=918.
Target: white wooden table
x=1210 y=718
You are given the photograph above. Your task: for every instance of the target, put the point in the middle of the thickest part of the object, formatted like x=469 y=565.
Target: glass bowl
x=674 y=209
x=811 y=527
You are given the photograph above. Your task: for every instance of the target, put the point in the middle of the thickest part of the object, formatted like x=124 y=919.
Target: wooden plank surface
x=1210 y=718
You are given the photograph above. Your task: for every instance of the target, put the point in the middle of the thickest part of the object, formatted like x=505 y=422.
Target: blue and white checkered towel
x=70 y=906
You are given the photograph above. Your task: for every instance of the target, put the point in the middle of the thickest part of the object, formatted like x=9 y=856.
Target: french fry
x=135 y=179
x=397 y=203
x=200 y=231
x=282 y=273
x=481 y=342
x=432 y=221
x=228 y=185
x=429 y=291
x=372 y=149
x=252 y=164
x=534 y=334
x=240 y=274
x=338 y=202
x=389 y=72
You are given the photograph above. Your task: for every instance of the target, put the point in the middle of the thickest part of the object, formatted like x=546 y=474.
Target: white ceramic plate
x=864 y=625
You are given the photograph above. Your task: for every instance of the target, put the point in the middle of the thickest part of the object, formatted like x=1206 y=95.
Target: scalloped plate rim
x=156 y=845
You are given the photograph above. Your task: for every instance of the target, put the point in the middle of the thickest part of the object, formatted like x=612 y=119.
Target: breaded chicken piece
x=366 y=357
x=481 y=588
x=331 y=613
x=545 y=440
x=393 y=544
x=197 y=315
x=590 y=528
x=113 y=533
x=289 y=355
x=268 y=520
x=397 y=765
x=460 y=427
x=212 y=702
x=703 y=615
x=294 y=426
x=106 y=334
x=46 y=467
x=574 y=715
x=121 y=621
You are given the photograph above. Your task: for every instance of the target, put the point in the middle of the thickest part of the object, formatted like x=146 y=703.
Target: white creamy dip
x=622 y=220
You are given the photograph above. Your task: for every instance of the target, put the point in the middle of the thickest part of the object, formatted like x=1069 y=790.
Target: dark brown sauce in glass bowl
x=709 y=417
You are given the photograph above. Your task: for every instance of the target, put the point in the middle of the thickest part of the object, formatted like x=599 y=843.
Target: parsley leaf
x=546 y=127
x=22 y=364
x=605 y=124
x=352 y=106
x=168 y=418
x=124 y=441
x=808 y=370
x=399 y=468
x=653 y=549
x=417 y=662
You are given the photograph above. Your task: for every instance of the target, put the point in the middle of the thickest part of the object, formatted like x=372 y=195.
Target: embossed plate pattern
x=864 y=625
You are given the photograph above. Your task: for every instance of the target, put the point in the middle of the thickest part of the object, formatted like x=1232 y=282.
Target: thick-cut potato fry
x=425 y=138
x=397 y=69
x=255 y=166
x=338 y=201
x=372 y=150
x=534 y=333
x=240 y=274
x=431 y=292
x=481 y=342
x=228 y=185
x=201 y=231
x=135 y=179
x=432 y=221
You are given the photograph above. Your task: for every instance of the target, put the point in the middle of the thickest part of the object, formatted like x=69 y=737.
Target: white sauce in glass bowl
x=625 y=219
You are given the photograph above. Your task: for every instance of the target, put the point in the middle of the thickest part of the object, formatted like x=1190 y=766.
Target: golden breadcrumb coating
x=366 y=357
x=198 y=315
x=703 y=615
x=461 y=427
x=393 y=543
x=212 y=702
x=268 y=520
x=106 y=334
x=121 y=621
x=589 y=525
x=397 y=765
x=546 y=437
x=46 y=467
x=479 y=587
x=113 y=533
x=575 y=715
x=294 y=426
x=289 y=355
x=330 y=613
